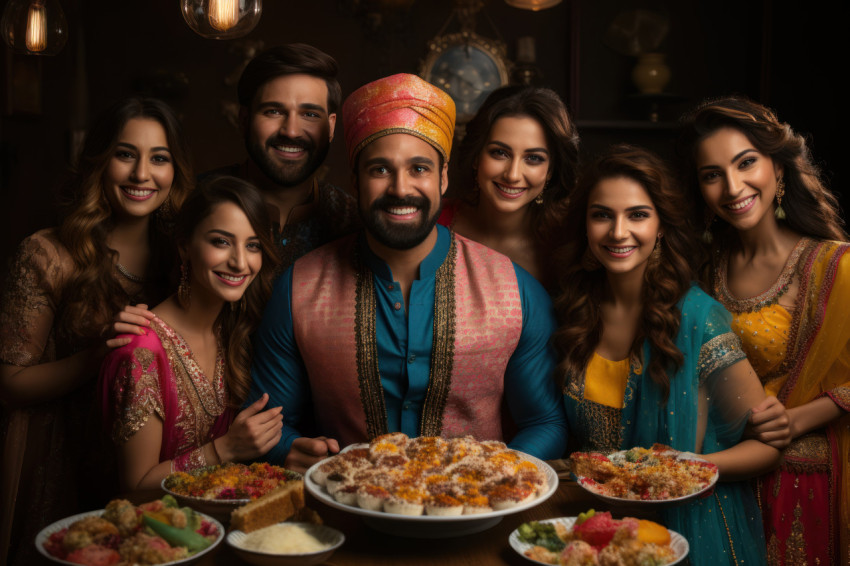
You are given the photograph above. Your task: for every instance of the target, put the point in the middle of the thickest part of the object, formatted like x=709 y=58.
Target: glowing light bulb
x=36 y=27
x=224 y=14
x=222 y=19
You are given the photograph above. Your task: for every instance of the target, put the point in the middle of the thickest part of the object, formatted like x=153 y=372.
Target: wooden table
x=364 y=546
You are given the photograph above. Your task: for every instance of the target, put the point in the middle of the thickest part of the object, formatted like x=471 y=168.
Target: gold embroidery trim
x=720 y=352
x=368 y=375
x=728 y=534
x=809 y=454
x=442 y=350
x=770 y=296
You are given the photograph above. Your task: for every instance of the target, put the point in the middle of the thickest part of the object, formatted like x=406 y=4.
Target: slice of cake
x=274 y=507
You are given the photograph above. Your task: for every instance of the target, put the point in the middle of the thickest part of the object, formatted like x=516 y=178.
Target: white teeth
x=234 y=278
x=138 y=192
x=288 y=148
x=742 y=204
x=402 y=211
x=510 y=190
x=620 y=250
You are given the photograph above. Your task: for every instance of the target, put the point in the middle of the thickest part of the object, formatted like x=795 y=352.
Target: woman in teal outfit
x=647 y=357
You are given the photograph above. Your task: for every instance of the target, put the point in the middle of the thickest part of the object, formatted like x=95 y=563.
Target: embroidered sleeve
x=136 y=394
x=27 y=308
x=720 y=346
x=841 y=396
x=719 y=353
x=188 y=461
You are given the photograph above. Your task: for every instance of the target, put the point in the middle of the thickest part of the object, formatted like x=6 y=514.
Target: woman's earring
x=184 y=292
x=655 y=257
x=707 y=236
x=780 y=192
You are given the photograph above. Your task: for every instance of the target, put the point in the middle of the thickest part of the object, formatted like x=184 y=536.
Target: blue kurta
x=404 y=342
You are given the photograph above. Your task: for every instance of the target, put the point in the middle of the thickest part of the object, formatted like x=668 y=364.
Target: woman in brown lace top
x=65 y=284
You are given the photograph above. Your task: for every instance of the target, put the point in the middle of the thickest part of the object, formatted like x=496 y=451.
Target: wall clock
x=468 y=67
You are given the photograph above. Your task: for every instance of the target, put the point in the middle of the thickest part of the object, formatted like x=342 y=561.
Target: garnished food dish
x=644 y=474
x=158 y=532
x=597 y=538
x=228 y=482
x=431 y=476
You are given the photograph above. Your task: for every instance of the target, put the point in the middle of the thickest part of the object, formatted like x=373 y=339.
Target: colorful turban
x=399 y=104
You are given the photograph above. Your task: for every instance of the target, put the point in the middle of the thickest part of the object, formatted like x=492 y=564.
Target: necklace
x=132 y=277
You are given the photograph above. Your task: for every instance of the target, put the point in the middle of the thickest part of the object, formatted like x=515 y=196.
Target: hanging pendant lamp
x=222 y=19
x=34 y=27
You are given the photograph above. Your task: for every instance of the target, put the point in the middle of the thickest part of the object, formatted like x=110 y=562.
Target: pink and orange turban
x=399 y=104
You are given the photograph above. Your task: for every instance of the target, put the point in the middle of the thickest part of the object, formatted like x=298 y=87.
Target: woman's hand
x=307 y=451
x=132 y=320
x=769 y=423
x=252 y=433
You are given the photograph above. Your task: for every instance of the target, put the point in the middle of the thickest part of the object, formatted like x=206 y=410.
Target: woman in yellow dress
x=778 y=264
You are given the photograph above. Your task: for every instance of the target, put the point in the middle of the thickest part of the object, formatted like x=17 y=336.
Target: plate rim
x=319 y=493
x=514 y=542
x=60 y=524
x=689 y=456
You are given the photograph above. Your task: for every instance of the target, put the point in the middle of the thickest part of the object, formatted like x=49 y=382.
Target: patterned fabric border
x=442 y=351
x=718 y=353
x=371 y=390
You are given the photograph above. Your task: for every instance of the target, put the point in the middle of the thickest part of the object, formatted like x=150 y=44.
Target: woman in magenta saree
x=170 y=393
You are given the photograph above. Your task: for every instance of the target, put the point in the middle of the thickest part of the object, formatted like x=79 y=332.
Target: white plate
x=688 y=456
x=678 y=543
x=328 y=535
x=45 y=533
x=430 y=526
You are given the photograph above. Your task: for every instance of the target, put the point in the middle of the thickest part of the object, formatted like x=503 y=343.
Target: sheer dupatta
x=704 y=413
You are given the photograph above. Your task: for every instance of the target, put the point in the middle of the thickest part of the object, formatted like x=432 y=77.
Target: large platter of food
x=656 y=475
x=431 y=486
x=597 y=538
x=158 y=532
x=218 y=490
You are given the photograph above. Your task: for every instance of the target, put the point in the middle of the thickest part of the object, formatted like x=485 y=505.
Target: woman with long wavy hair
x=778 y=262
x=518 y=163
x=169 y=396
x=64 y=286
x=647 y=357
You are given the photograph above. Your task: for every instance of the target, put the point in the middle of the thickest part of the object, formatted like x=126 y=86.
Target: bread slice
x=276 y=506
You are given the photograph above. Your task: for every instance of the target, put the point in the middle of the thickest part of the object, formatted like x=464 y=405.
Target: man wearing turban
x=406 y=326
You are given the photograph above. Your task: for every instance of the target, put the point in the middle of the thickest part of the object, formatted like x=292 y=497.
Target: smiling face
x=737 y=182
x=622 y=225
x=514 y=165
x=224 y=254
x=400 y=186
x=140 y=172
x=288 y=130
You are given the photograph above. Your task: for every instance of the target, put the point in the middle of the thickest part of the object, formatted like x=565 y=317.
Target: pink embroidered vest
x=479 y=324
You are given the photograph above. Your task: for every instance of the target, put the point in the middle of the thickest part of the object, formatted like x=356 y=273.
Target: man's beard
x=287 y=174
x=399 y=236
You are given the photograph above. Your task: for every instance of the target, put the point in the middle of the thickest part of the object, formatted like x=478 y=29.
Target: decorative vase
x=651 y=74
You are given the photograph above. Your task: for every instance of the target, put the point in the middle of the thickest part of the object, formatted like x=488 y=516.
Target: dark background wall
x=787 y=57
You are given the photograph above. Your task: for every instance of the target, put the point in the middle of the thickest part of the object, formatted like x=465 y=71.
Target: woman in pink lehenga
x=170 y=394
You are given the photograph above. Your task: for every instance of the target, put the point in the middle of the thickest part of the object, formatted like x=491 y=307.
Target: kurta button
x=411 y=359
x=390 y=287
x=407 y=406
x=397 y=306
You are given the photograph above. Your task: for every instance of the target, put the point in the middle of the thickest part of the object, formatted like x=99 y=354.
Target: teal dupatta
x=724 y=528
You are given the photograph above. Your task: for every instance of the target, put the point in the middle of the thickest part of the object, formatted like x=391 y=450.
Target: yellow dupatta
x=820 y=346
